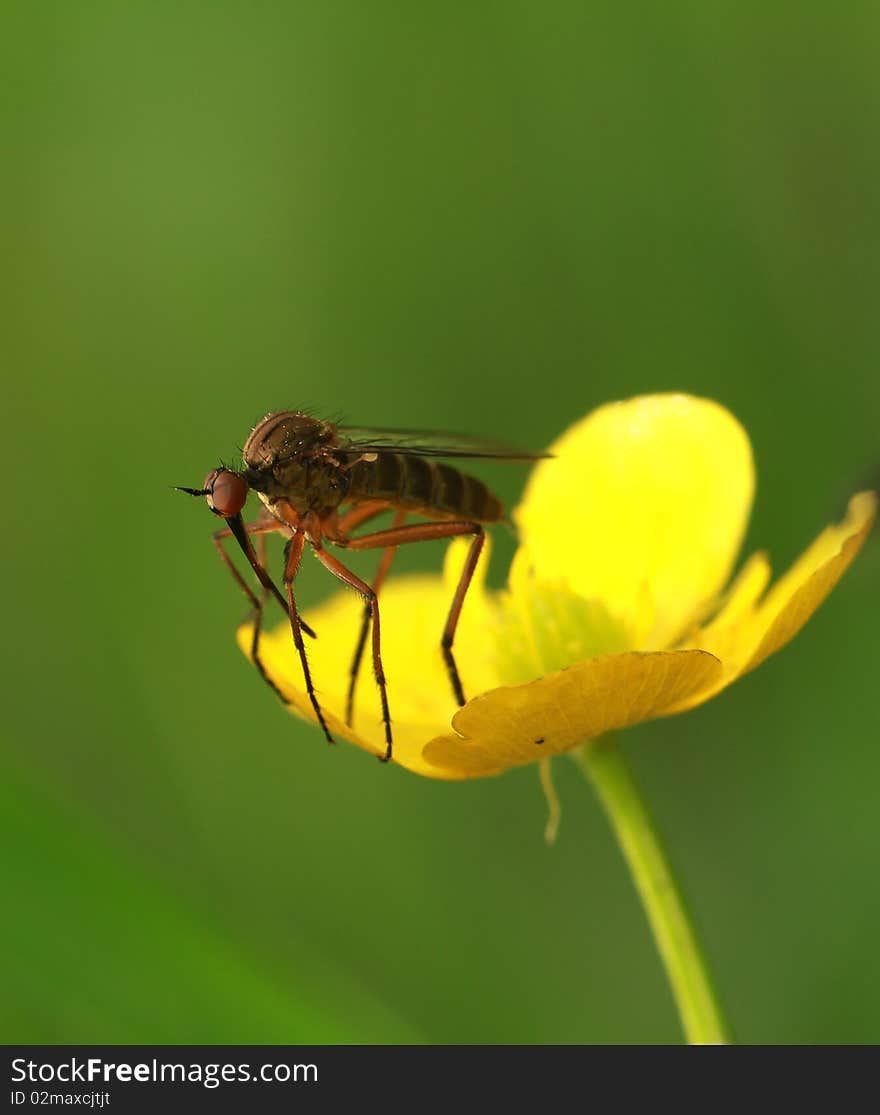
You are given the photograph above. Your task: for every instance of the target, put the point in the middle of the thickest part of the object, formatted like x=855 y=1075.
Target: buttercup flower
x=615 y=610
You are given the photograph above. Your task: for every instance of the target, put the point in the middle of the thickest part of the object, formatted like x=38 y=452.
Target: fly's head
x=224 y=490
x=288 y=456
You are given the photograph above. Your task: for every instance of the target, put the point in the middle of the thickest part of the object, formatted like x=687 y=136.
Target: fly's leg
x=464 y=583
x=427 y=532
x=257 y=631
x=347 y=577
x=260 y=528
x=378 y=581
x=291 y=566
x=240 y=531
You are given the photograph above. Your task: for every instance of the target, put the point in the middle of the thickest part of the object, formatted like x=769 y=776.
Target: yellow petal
x=724 y=635
x=649 y=496
x=794 y=598
x=518 y=724
x=413 y=610
x=746 y=631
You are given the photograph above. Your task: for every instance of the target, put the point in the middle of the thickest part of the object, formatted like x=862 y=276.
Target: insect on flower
x=319 y=482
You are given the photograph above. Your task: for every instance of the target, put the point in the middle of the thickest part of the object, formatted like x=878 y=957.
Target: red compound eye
x=226 y=492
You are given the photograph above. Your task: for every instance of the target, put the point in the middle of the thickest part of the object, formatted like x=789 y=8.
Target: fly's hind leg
x=464 y=583
x=427 y=532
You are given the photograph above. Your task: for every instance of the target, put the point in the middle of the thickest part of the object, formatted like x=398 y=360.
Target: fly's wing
x=428 y=443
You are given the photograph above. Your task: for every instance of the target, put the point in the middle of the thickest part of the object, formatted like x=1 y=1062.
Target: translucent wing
x=428 y=443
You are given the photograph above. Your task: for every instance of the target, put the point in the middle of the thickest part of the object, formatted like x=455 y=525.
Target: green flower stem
x=606 y=768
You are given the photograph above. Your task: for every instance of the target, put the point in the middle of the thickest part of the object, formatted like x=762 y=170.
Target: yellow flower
x=615 y=609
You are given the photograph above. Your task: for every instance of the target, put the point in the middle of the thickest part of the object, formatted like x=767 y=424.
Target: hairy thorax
x=317 y=484
x=290 y=456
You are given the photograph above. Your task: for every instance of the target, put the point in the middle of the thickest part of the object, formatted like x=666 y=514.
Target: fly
x=319 y=483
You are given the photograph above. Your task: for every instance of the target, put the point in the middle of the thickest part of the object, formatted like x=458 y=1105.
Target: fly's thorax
x=307 y=483
x=284 y=435
x=289 y=455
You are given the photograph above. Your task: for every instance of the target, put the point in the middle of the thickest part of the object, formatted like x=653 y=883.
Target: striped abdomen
x=423 y=485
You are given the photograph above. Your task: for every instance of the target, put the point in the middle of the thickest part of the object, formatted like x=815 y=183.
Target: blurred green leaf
x=96 y=945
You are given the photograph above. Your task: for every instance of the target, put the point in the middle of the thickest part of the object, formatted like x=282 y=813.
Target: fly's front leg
x=260 y=528
x=240 y=532
x=347 y=577
x=258 y=615
x=378 y=581
x=291 y=566
x=427 y=532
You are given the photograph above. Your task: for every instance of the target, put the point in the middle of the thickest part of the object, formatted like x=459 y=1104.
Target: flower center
x=543 y=626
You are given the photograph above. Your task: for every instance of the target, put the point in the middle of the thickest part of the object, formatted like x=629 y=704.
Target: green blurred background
x=488 y=217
